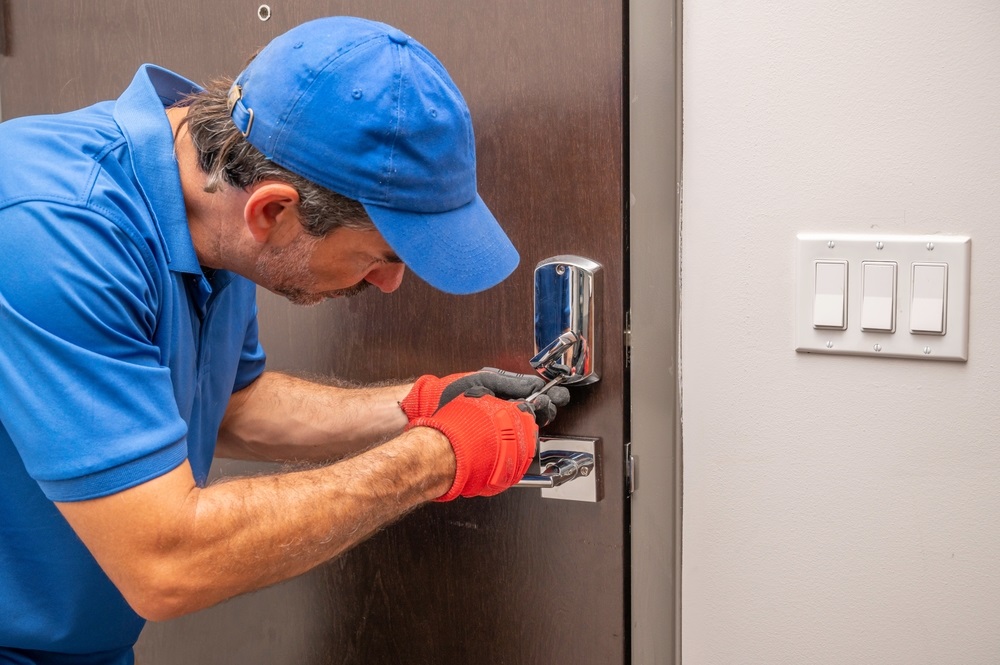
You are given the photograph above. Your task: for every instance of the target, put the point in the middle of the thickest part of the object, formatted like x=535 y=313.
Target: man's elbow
x=161 y=593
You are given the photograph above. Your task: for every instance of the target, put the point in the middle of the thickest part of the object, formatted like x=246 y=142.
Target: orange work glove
x=494 y=441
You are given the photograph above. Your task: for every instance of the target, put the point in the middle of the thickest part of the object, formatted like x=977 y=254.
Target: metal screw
x=584 y=470
x=930 y=247
x=878 y=348
x=829 y=345
x=879 y=245
x=927 y=350
x=560 y=269
x=831 y=244
x=264 y=12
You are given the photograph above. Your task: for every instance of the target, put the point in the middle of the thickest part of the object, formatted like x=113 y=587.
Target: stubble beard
x=285 y=271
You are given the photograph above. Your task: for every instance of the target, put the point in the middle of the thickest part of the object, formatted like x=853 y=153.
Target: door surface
x=510 y=579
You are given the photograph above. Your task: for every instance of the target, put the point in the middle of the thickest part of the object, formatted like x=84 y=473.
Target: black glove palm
x=430 y=393
x=509 y=386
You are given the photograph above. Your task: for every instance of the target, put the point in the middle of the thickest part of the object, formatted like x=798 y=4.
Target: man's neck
x=213 y=218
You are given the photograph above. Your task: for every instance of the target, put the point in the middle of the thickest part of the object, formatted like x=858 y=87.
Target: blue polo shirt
x=118 y=354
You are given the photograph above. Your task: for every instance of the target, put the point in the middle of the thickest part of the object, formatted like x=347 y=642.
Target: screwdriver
x=544 y=389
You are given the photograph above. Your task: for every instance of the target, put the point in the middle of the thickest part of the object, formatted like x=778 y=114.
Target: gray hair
x=227 y=158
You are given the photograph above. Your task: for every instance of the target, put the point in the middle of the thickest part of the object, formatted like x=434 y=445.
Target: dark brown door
x=511 y=579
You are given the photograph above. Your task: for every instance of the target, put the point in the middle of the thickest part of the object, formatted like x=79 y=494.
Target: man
x=132 y=233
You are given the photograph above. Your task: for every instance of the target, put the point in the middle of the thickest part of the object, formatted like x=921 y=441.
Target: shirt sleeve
x=86 y=400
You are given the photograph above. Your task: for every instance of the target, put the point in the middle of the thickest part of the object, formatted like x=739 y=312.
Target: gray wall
x=836 y=509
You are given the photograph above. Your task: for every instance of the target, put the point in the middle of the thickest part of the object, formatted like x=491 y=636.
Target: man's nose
x=386 y=277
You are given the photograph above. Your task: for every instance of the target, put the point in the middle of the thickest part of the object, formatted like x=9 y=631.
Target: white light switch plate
x=904 y=250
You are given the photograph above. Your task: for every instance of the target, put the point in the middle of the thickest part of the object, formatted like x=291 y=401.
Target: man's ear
x=272 y=213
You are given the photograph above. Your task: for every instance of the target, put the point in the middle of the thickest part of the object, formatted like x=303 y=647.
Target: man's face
x=343 y=263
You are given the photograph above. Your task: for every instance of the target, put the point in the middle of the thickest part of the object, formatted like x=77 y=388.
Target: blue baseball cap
x=364 y=110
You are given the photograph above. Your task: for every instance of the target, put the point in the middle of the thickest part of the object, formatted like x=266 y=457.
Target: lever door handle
x=546 y=361
x=569 y=469
x=559 y=467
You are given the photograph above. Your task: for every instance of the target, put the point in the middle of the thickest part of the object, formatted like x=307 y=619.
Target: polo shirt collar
x=139 y=113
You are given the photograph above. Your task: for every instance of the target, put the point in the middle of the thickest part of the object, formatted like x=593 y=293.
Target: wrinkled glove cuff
x=493 y=441
x=461 y=463
x=422 y=400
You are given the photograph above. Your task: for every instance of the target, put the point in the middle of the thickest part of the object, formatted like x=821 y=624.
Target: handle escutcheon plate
x=569 y=469
x=567 y=331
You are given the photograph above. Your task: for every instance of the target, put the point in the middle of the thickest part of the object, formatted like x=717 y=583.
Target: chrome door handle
x=567 y=330
x=559 y=467
x=569 y=469
x=546 y=361
x=567 y=323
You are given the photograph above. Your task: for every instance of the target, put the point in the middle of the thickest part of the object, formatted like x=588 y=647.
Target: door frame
x=653 y=96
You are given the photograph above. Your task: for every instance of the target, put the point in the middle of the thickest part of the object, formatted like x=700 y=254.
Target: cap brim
x=459 y=251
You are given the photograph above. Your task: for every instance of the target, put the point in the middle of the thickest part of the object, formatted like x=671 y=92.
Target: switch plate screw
x=831 y=244
x=878 y=348
x=927 y=350
x=879 y=245
x=930 y=247
x=829 y=345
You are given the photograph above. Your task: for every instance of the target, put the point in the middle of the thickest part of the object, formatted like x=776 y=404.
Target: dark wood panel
x=512 y=579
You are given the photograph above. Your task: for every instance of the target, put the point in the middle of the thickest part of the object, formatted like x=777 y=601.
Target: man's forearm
x=207 y=545
x=284 y=418
x=172 y=548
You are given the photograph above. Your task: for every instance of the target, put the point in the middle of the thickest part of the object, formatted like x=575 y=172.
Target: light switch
x=878 y=296
x=830 y=295
x=928 y=298
x=883 y=295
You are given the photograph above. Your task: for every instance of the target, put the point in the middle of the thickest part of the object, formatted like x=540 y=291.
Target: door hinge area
x=630 y=473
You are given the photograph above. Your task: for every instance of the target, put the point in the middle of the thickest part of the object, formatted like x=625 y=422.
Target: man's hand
x=494 y=441
x=430 y=393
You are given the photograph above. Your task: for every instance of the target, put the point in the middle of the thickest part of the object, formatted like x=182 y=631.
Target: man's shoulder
x=56 y=156
x=77 y=160
x=59 y=157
